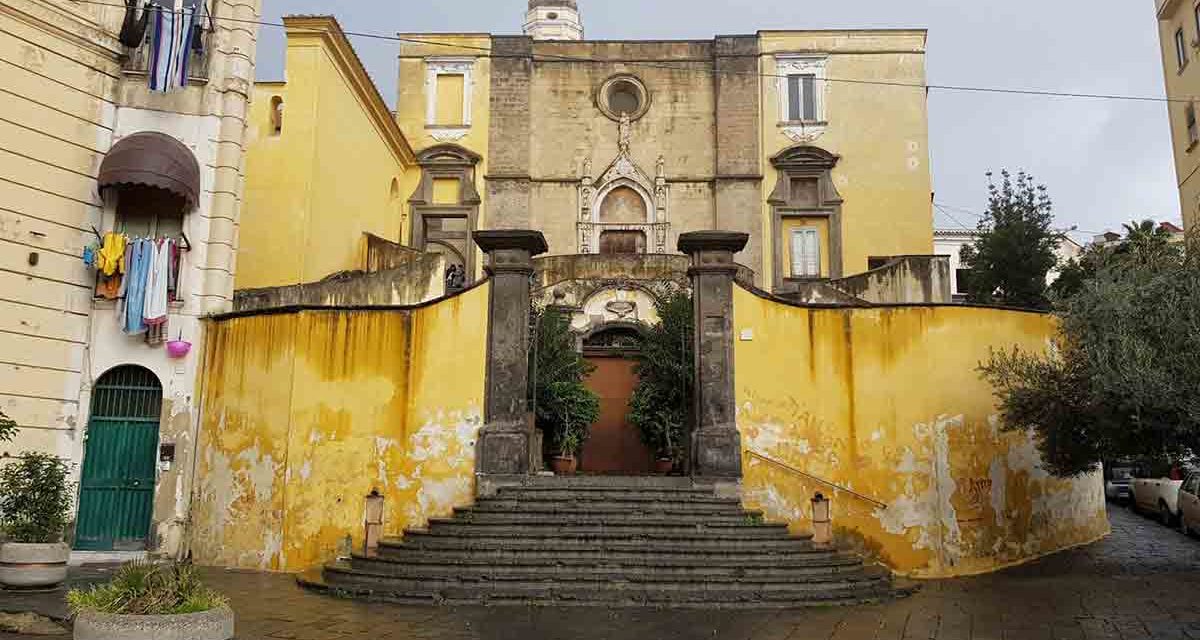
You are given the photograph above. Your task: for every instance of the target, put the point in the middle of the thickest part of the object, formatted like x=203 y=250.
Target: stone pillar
x=715 y=446
x=504 y=452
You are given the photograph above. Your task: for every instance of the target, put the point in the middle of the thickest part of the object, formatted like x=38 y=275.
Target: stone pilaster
x=738 y=189
x=715 y=446
x=504 y=452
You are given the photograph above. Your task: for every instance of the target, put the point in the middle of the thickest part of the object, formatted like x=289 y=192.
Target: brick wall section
x=508 y=177
x=738 y=192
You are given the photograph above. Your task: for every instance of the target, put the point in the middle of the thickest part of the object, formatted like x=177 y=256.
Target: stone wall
x=420 y=280
x=903 y=280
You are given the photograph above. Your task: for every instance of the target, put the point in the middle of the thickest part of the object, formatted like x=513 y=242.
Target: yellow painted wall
x=887 y=402
x=881 y=133
x=1185 y=81
x=315 y=189
x=306 y=413
x=411 y=104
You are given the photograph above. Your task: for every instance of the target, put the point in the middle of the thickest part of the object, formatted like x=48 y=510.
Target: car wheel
x=1164 y=514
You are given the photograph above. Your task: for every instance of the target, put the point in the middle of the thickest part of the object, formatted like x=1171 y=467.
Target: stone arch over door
x=622 y=212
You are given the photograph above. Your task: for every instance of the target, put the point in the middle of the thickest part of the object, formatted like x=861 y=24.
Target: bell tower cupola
x=553 y=20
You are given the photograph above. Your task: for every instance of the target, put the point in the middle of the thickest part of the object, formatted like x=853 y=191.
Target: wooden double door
x=614 y=446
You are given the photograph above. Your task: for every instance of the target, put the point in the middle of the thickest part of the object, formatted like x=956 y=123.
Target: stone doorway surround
x=507 y=447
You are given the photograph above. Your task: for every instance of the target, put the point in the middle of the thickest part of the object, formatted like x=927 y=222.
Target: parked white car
x=1158 y=496
x=1189 y=504
x=1116 y=483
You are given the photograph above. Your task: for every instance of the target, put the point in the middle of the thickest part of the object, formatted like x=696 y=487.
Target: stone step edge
x=483 y=574
x=651 y=536
x=800 y=561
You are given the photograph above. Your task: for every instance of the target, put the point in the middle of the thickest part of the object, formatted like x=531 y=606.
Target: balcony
x=137 y=61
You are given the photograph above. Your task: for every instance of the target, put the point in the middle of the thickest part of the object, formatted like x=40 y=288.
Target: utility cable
x=677 y=67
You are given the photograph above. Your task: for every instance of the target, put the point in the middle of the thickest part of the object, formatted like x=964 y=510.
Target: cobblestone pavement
x=1141 y=582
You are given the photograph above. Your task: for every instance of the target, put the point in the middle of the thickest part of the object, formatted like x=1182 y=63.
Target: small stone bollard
x=373 y=521
x=822 y=524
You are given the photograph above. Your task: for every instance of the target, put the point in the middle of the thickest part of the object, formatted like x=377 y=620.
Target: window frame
x=1181 y=56
x=789 y=66
x=448 y=66
x=1190 y=124
x=806 y=271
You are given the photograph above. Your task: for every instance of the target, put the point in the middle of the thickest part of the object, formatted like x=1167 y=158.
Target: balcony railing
x=138 y=60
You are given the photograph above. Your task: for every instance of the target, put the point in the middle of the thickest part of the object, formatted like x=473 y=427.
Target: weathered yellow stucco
x=881 y=134
x=337 y=168
x=305 y=413
x=888 y=402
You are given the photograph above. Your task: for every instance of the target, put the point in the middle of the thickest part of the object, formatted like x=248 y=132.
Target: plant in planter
x=661 y=405
x=564 y=407
x=146 y=601
x=35 y=500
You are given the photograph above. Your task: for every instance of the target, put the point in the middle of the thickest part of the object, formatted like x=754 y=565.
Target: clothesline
x=175 y=35
x=144 y=274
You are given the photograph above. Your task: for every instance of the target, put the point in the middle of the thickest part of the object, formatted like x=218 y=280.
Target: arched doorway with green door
x=116 y=488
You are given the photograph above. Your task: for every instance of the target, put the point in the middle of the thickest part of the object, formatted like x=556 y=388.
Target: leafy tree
x=8 y=428
x=1123 y=378
x=1009 y=261
x=35 y=498
x=661 y=405
x=564 y=407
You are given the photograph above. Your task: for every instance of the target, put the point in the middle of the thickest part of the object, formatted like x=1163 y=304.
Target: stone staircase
x=606 y=541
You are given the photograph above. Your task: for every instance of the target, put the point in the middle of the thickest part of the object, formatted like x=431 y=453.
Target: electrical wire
x=677 y=67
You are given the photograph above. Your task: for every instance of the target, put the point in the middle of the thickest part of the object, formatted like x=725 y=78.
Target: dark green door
x=116 y=491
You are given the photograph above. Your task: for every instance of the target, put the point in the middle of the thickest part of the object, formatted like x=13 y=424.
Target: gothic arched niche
x=624 y=205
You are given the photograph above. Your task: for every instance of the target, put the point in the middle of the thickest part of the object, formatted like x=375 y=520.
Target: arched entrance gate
x=614 y=446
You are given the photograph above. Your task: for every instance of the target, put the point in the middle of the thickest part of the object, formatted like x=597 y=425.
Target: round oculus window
x=623 y=96
x=552 y=16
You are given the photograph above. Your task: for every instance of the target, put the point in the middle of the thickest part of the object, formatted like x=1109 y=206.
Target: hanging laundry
x=109 y=260
x=135 y=291
x=89 y=256
x=173 y=273
x=157 y=335
x=171 y=52
x=133 y=29
x=155 y=305
x=201 y=24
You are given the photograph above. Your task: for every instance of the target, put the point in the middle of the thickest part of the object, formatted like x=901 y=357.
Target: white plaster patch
x=998 y=474
x=1026 y=457
x=260 y=471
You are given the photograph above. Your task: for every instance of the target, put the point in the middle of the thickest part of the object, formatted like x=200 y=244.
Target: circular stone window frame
x=605 y=89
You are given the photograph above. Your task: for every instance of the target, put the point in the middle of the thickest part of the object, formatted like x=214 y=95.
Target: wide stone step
x=811 y=557
x=737 y=599
x=529 y=494
x=629 y=572
x=601 y=591
x=652 y=528
x=710 y=543
x=603 y=505
x=564 y=510
x=637 y=483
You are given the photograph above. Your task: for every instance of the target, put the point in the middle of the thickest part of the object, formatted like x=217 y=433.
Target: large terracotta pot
x=664 y=465
x=208 y=625
x=27 y=565
x=564 y=465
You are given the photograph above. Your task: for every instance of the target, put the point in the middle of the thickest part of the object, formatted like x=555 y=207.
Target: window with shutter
x=806 y=253
x=802 y=97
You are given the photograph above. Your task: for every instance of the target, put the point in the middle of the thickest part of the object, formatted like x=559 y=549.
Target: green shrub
x=661 y=406
x=8 y=428
x=35 y=498
x=565 y=407
x=147 y=589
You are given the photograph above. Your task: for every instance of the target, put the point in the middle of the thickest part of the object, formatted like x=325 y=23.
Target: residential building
x=87 y=149
x=949 y=242
x=1179 y=36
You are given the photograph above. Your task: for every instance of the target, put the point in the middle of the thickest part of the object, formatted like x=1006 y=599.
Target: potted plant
x=564 y=408
x=147 y=601
x=573 y=408
x=661 y=404
x=35 y=499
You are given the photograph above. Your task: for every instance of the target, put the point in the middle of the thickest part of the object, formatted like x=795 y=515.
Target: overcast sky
x=1105 y=162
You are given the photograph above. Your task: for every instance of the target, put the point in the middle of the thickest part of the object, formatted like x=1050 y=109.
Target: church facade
x=618 y=147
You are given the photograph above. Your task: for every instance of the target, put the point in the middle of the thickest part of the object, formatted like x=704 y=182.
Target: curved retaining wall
x=306 y=411
x=888 y=402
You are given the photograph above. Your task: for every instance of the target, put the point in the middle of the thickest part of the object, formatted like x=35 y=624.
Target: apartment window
x=1180 y=48
x=806 y=253
x=276 y=115
x=1189 y=116
x=962 y=281
x=802 y=79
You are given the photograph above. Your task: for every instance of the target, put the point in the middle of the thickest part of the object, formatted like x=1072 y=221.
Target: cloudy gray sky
x=1105 y=162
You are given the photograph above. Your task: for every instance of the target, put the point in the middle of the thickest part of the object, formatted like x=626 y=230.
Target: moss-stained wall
x=305 y=413
x=887 y=402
